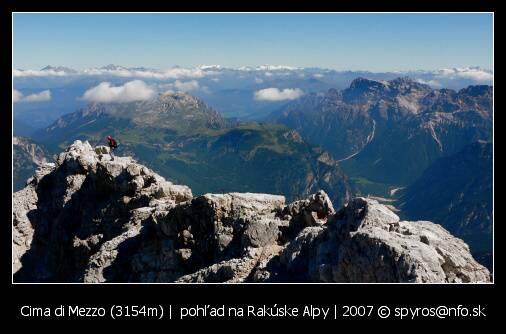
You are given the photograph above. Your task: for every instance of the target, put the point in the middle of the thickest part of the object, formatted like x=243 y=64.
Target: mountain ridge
x=411 y=121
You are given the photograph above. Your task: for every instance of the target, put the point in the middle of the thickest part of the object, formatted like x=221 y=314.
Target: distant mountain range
x=229 y=90
x=188 y=142
x=460 y=76
x=389 y=132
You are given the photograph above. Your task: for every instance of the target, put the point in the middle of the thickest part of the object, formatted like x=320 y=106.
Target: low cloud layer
x=173 y=73
x=118 y=71
x=146 y=73
x=470 y=73
x=275 y=94
x=43 y=96
x=135 y=90
x=39 y=73
x=449 y=77
x=182 y=86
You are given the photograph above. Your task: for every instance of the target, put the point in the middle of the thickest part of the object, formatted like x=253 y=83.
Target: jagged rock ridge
x=87 y=218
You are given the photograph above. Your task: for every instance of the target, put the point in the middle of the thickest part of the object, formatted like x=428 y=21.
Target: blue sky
x=375 y=42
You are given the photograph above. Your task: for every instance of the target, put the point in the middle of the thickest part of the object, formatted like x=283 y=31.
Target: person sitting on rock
x=112 y=145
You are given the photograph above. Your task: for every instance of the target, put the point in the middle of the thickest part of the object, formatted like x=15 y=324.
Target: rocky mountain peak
x=117 y=221
x=58 y=69
x=364 y=84
x=363 y=90
x=406 y=85
x=177 y=111
x=183 y=99
x=112 y=67
x=180 y=109
x=477 y=90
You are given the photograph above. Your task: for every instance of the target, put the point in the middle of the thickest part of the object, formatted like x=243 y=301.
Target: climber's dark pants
x=111 y=152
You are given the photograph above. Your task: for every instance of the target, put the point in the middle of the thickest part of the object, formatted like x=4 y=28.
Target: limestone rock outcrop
x=366 y=242
x=88 y=218
x=74 y=213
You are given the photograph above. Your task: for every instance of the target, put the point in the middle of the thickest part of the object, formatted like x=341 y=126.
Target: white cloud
x=318 y=75
x=135 y=90
x=259 y=80
x=39 y=97
x=17 y=96
x=471 y=73
x=275 y=94
x=186 y=86
x=432 y=83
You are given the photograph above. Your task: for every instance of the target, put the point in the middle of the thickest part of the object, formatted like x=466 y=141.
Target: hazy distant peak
x=49 y=68
x=112 y=67
x=364 y=83
x=182 y=97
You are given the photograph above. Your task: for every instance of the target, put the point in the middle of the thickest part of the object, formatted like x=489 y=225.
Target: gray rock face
x=76 y=213
x=89 y=219
x=23 y=203
x=366 y=242
x=207 y=230
x=312 y=211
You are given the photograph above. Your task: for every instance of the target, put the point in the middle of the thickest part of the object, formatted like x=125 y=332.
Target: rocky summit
x=88 y=218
